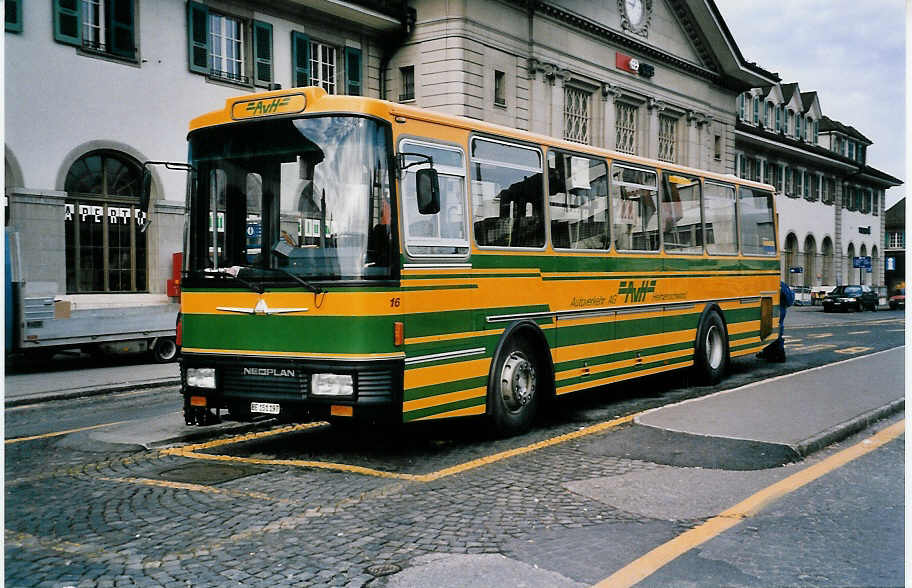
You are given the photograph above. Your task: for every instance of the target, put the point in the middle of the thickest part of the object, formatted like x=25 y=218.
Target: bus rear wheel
x=514 y=387
x=711 y=349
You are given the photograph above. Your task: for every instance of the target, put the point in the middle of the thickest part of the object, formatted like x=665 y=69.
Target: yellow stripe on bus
x=450 y=372
x=452 y=336
x=468 y=411
x=624 y=363
x=602 y=381
x=439 y=399
x=587 y=350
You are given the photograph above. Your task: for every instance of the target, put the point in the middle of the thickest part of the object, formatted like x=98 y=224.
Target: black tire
x=711 y=353
x=515 y=387
x=164 y=350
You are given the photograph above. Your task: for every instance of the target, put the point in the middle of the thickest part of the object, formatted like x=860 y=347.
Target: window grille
x=626 y=127
x=323 y=66
x=897 y=239
x=408 y=83
x=577 y=115
x=667 y=138
x=226 y=42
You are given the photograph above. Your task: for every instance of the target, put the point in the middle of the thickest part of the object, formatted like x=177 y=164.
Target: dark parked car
x=898 y=300
x=852 y=297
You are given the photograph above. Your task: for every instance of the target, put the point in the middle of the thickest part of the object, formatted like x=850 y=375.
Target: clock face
x=634 y=11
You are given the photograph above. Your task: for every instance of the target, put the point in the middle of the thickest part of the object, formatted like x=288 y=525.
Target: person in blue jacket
x=775 y=351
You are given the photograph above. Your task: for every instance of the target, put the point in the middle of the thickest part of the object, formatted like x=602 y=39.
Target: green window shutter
x=300 y=59
x=120 y=29
x=353 y=71
x=68 y=21
x=262 y=52
x=13 y=19
x=198 y=37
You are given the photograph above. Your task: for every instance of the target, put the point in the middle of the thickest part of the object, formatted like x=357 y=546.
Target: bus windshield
x=307 y=196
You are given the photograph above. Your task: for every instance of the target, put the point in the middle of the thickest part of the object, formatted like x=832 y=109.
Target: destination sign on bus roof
x=269 y=106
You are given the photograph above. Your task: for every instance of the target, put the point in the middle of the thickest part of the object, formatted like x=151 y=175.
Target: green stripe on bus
x=621 y=356
x=445 y=388
x=432 y=410
x=329 y=334
x=616 y=372
x=440 y=287
x=621 y=263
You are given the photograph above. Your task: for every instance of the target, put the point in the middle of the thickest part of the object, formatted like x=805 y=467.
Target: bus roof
x=296 y=101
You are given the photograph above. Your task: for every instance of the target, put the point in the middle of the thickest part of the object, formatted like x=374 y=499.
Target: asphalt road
x=84 y=512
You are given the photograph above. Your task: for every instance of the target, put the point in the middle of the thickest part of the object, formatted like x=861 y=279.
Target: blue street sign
x=862 y=262
x=796 y=270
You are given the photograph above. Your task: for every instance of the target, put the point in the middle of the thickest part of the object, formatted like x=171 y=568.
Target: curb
x=40 y=397
x=847 y=428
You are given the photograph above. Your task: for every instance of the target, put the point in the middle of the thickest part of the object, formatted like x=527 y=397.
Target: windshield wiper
x=300 y=280
x=232 y=272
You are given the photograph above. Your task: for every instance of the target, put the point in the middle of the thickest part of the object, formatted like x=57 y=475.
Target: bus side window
x=758 y=234
x=719 y=212
x=507 y=195
x=682 y=227
x=442 y=233
x=635 y=211
x=578 y=202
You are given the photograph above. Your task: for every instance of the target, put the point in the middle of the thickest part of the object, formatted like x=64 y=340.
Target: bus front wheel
x=514 y=387
x=711 y=349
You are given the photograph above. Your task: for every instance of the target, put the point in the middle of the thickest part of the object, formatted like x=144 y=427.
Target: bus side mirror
x=428 y=191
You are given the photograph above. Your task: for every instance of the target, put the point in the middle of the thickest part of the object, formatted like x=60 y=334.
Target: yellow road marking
x=192 y=452
x=809 y=348
x=819 y=335
x=194 y=488
x=858 y=333
x=853 y=350
x=59 y=433
x=648 y=564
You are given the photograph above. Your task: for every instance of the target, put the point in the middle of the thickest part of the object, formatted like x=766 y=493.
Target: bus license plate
x=264 y=407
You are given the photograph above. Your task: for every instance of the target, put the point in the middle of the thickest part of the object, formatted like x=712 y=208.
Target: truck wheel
x=711 y=349
x=164 y=350
x=514 y=387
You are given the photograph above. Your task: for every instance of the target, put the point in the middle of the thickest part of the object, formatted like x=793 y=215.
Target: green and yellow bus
x=351 y=258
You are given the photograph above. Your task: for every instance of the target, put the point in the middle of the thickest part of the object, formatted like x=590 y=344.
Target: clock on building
x=635 y=15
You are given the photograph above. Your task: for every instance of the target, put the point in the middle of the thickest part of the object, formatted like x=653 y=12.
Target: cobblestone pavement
x=88 y=519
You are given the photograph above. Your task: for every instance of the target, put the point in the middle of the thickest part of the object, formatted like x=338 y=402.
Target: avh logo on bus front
x=634 y=293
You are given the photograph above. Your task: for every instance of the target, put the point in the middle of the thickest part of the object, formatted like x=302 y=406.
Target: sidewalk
x=30 y=388
x=790 y=416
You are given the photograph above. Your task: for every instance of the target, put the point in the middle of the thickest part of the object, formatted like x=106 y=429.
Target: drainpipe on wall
x=392 y=42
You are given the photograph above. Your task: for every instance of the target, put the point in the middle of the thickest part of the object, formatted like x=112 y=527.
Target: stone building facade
x=656 y=79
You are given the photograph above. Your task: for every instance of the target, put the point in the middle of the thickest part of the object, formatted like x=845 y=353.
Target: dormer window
x=756 y=110
x=767 y=114
x=778 y=119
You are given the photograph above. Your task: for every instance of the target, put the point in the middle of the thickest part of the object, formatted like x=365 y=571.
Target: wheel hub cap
x=517 y=381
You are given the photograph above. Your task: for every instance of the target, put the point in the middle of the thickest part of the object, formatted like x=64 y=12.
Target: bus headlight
x=331 y=385
x=201 y=377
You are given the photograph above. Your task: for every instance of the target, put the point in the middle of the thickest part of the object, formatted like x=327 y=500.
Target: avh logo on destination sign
x=634 y=293
x=267 y=106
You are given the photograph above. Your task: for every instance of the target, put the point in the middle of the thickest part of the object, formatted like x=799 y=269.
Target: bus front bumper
x=294 y=389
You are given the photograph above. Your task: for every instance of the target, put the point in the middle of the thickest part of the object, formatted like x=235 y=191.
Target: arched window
x=105 y=245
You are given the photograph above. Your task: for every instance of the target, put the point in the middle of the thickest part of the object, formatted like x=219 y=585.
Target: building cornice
x=627 y=41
